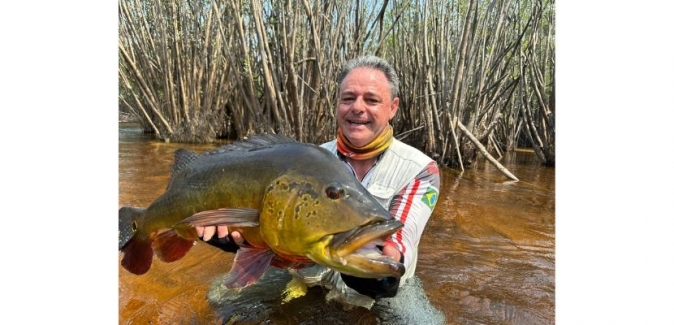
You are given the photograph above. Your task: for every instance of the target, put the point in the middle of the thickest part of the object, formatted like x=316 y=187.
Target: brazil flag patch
x=430 y=197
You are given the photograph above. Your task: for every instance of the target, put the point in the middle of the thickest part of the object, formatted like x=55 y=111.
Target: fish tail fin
x=137 y=254
x=170 y=247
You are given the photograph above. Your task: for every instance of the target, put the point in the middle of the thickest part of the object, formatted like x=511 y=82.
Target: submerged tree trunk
x=484 y=151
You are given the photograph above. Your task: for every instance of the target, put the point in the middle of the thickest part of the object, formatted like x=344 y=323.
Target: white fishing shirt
x=407 y=183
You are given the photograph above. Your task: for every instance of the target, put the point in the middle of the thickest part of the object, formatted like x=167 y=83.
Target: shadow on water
x=487 y=255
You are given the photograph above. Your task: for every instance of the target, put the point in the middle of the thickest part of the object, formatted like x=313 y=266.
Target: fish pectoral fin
x=233 y=217
x=249 y=265
x=170 y=247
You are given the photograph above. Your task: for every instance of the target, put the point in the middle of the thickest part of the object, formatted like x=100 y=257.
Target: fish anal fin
x=233 y=217
x=249 y=265
x=137 y=256
x=170 y=247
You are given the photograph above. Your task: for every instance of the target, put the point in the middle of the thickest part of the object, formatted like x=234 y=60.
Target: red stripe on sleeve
x=406 y=211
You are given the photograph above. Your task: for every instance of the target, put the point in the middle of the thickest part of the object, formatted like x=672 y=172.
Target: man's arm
x=412 y=206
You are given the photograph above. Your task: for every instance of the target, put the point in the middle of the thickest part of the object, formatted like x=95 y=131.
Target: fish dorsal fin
x=254 y=142
x=181 y=158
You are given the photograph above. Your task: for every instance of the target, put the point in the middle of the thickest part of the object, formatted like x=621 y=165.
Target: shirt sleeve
x=413 y=206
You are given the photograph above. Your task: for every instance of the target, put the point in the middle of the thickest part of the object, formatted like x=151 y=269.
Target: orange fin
x=249 y=265
x=137 y=255
x=170 y=247
x=238 y=217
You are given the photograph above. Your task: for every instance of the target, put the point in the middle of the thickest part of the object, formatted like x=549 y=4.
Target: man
x=400 y=177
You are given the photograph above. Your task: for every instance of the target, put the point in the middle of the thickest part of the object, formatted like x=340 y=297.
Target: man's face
x=364 y=105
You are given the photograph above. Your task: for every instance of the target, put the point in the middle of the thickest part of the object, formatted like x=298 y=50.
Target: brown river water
x=487 y=255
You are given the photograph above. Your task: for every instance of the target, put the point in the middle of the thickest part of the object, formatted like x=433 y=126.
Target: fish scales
x=294 y=203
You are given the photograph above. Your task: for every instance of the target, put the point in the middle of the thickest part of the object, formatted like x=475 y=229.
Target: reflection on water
x=489 y=247
x=486 y=256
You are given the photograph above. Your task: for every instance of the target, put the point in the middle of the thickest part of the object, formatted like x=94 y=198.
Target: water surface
x=487 y=255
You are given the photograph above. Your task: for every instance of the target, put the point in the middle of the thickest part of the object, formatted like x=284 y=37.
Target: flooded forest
x=477 y=77
x=477 y=89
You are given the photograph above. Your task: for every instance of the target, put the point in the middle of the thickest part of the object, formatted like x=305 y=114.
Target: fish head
x=331 y=219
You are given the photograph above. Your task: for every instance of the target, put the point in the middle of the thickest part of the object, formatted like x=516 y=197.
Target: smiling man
x=402 y=179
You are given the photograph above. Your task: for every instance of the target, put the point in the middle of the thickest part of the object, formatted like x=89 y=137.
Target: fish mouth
x=357 y=251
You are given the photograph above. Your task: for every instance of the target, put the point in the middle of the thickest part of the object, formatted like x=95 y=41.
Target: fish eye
x=334 y=192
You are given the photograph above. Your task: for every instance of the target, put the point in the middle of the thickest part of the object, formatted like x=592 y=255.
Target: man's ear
x=394 y=108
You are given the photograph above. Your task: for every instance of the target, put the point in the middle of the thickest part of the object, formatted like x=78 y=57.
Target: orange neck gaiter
x=372 y=149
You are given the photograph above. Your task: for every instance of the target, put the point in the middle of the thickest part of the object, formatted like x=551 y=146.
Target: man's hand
x=391 y=250
x=206 y=233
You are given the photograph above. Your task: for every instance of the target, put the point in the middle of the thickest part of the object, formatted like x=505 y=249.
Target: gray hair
x=373 y=62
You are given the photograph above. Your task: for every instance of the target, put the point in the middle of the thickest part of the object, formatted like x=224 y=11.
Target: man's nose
x=358 y=105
